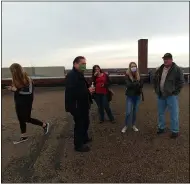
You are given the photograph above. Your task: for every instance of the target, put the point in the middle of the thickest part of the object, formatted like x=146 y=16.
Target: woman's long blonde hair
x=19 y=76
x=129 y=73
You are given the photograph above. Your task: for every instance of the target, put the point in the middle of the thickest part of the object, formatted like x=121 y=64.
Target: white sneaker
x=135 y=129
x=124 y=129
x=22 y=139
x=46 y=128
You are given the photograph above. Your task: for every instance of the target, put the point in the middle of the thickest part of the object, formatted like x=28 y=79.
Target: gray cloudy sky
x=54 y=33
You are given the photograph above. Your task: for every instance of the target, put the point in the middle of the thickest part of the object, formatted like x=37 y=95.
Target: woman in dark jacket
x=133 y=92
x=101 y=83
x=23 y=89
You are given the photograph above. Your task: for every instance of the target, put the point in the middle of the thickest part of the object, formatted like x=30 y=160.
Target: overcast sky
x=54 y=33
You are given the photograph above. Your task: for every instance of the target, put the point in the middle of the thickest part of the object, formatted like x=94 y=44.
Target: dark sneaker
x=83 y=149
x=101 y=122
x=46 y=128
x=174 y=135
x=160 y=131
x=22 y=139
x=88 y=141
x=113 y=121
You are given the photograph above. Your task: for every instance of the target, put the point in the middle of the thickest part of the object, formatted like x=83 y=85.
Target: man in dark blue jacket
x=78 y=101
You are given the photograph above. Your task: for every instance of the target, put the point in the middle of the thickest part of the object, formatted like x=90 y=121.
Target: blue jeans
x=103 y=104
x=132 y=104
x=171 y=103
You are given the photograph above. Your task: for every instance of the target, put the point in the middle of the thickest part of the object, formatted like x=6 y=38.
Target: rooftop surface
x=114 y=157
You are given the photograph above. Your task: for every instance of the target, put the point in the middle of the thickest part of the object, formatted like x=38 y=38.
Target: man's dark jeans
x=82 y=122
x=103 y=104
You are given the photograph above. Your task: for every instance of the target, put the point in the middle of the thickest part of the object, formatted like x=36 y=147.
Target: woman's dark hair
x=94 y=68
x=77 y=59
x=93 y=71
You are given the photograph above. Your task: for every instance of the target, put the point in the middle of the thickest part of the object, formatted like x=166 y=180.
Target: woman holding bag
x=102 y=94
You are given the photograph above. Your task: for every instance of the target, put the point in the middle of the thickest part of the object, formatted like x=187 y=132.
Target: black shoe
x=113 y=121
x=46 y=128
x=101 y=122
x=88 y=140
x=160 y=131
x=83 y=149
x=22 y=139
x=174 y=135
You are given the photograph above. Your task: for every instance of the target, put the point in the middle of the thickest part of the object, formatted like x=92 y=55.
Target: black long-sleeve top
x=24 y=94
x=133 y=88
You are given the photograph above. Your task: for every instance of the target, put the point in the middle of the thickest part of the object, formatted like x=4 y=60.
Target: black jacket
x=24 y=95
x=133 y=88
x=173 y=83
x=77 y=95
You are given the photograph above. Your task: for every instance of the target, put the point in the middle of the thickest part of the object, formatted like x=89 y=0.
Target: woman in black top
x=23 y=89
x=133 y=91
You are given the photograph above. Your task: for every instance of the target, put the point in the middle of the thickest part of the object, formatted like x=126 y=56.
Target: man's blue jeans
x=132 y=104
x=170 y=102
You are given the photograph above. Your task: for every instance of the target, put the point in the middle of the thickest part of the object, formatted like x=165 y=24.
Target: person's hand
x=9 y=88
x=14 y=88
x=91 y=89
x=136 y=82
x=102 y=85
x=96 y=73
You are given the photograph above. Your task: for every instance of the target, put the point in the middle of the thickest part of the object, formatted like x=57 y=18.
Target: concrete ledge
x=55 y=71
x=60 y=81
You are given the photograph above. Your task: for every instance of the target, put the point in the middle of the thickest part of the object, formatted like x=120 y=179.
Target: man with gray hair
x=168 y=82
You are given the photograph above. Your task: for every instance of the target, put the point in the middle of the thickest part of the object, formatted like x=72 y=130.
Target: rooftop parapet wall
x=38 y=71
x=50 y=71
x=60 y=81
x=5 y=72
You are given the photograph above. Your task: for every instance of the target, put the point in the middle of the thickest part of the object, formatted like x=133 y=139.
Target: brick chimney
x=143 y=56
